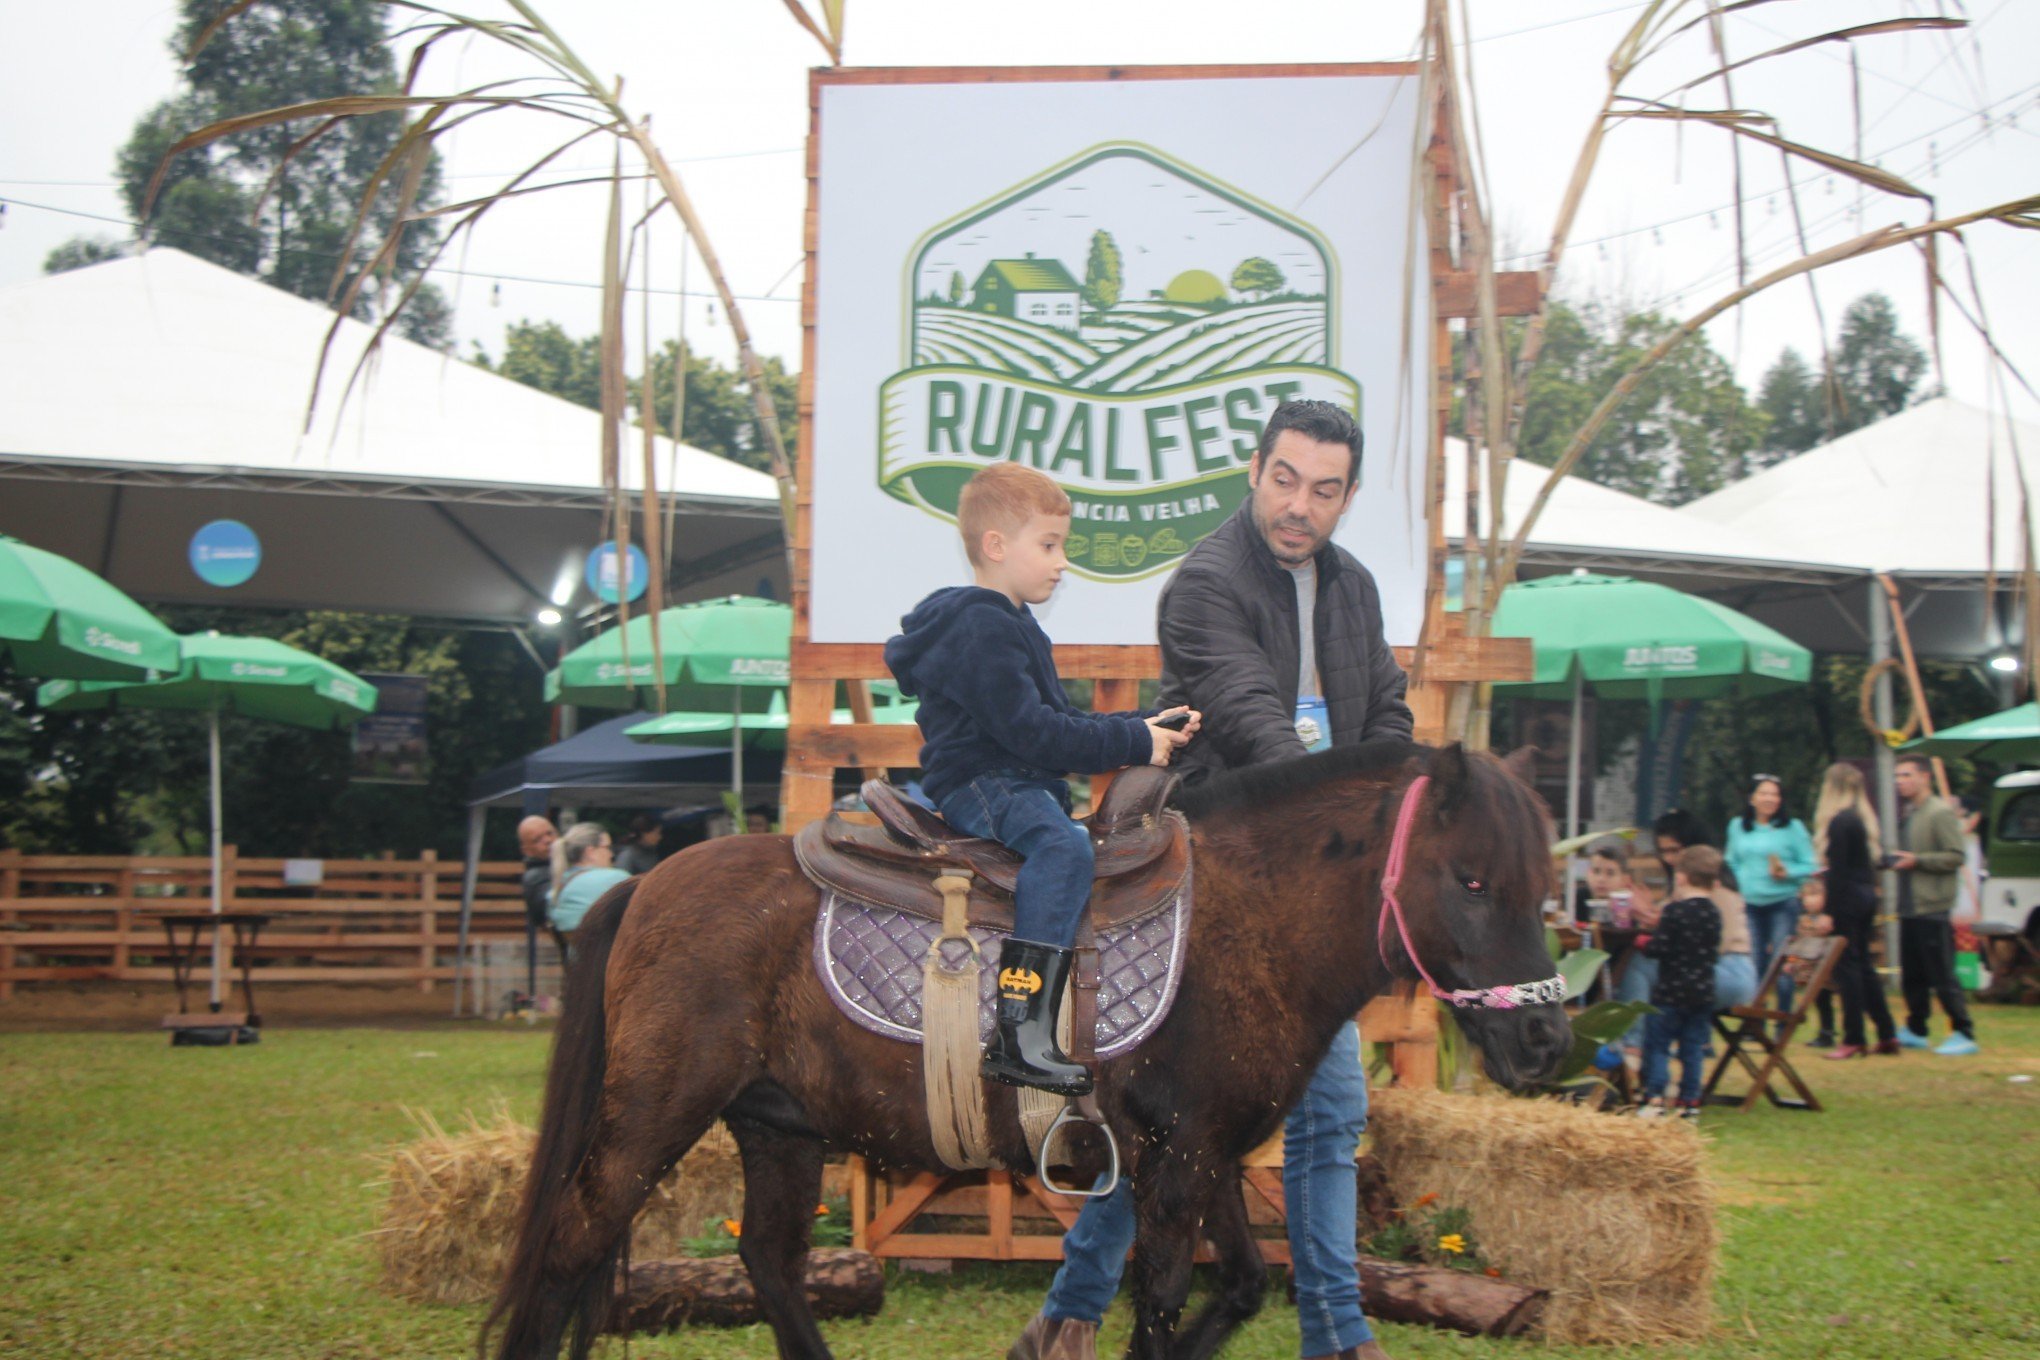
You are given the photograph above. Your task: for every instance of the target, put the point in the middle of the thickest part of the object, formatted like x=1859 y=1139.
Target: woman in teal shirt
x=582 y=872
x=1771 y=855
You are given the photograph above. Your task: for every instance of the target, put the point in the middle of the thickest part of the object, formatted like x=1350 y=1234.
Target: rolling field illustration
x=1123 y=322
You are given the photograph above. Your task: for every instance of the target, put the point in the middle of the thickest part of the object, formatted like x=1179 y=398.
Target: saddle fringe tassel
x=951 y=1056
x=1038 y=1109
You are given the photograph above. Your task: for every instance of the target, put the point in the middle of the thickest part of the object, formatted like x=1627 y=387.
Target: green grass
x=210 y=1203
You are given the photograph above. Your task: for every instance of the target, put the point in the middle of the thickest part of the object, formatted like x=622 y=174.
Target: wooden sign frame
x=817 y=748
x=885 y=1210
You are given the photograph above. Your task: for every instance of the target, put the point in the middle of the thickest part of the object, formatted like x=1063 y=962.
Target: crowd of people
x=1731 y=906
x=566 y=873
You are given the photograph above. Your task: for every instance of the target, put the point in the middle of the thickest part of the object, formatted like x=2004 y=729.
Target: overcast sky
x=725 y=84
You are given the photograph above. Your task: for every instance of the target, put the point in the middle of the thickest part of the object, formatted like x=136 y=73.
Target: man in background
x=535 y=837
x=1931 y=853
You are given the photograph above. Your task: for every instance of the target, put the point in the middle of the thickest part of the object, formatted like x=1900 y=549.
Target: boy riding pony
x=1000 y=737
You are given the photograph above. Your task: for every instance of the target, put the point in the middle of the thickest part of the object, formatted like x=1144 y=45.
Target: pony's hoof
x=1047 y=1338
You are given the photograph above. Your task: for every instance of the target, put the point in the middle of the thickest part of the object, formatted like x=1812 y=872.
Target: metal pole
x=1572 y=786
x=737 y=751
x=218 y=945
x=1886 y=792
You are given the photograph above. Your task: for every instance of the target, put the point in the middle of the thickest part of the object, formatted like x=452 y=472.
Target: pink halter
x=1505 y=998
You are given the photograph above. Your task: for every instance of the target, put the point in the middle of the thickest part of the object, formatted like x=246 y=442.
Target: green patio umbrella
x=2011 y=735
x=762 y=731
x=732 y=654
x=254 y=677
x=1629 y=639
x=59 y=620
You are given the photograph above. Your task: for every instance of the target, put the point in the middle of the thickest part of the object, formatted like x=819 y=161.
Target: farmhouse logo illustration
x=1124 y=323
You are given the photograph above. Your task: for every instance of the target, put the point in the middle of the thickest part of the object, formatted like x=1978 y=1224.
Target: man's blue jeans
x=1031 y=817
x=1319 y=1186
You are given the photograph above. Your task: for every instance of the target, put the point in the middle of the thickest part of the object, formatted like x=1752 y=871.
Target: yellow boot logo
x=1019 y=983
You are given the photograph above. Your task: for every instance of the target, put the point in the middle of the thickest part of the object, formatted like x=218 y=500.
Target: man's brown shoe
x=1047 y=1338
x=1369 y=1349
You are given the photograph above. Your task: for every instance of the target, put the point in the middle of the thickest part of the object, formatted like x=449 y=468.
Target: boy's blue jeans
x=1031 y=817
x=1319 y=1187
x=1688 y=1029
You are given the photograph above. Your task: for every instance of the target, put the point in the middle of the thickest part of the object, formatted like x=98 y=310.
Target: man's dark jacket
x=1229 y=649
x=537 y=890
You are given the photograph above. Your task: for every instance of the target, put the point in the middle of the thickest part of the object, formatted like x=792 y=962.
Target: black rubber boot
x=1023 y=1050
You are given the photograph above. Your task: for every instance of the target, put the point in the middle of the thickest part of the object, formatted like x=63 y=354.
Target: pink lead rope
x=1505 y=998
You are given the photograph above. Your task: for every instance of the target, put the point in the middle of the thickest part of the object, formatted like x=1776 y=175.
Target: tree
x=1876 y=366
x=541 y=354
x=1102 y=277
x=1258 y=276
x=129 y=782
x=1790 y=400
x=212 y=202
x=719 y=415
x=81 y=251
x=1685 y=431
x=956 y=288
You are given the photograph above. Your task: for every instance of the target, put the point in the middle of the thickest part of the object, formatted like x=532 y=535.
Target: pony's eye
x=1475 y=886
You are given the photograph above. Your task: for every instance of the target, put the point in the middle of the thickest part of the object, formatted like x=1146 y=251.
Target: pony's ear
x=1449 y=774
x=1522 y=763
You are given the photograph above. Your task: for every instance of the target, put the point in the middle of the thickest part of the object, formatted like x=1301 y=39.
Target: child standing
x=1000 y=736
x=1815 y=924
x=1685 y=944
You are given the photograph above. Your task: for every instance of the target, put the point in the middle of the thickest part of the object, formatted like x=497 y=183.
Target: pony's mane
x=1259 y=785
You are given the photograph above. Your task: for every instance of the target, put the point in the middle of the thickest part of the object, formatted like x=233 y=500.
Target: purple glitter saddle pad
x=870 y=958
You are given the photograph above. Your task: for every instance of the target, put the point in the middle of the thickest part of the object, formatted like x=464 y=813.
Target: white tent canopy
x=1588 y=525
x=1912 y=494
x=141 y=398
x=1796 y=545
x=1930 y=495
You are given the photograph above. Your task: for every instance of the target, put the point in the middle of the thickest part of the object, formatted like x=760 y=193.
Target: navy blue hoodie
x=990 y=699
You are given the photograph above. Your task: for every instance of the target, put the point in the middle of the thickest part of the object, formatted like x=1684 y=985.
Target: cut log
x=716 y=1291
x=1478 y=1305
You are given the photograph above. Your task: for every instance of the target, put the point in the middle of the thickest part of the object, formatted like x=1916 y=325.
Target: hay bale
x=1614 y=1216
x=453 y=1200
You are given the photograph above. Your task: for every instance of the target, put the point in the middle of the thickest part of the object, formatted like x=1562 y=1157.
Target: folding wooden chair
x=1752 y=1029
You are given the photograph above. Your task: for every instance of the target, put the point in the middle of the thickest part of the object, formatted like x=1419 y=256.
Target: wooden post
x=10 y=890
x=124 y=919
x=428 y=920
x=999 y=1213
x=860 y=1203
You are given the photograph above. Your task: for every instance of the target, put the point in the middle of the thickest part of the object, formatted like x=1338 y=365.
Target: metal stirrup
x=1076 y=1112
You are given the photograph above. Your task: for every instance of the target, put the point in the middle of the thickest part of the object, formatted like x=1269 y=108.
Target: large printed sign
x=1122 y=312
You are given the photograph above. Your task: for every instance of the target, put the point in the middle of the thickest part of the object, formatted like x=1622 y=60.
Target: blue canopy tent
x=596 y=768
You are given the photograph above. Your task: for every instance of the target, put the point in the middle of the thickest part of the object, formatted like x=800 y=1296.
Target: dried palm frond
x=561 y=86
x=1499 y=372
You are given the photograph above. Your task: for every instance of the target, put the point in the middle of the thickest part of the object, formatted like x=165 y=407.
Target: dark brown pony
x=694 y=998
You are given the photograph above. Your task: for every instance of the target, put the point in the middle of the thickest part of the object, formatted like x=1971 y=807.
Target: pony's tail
x=533 y=1309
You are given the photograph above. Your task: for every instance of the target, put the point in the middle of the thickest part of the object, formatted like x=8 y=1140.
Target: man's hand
x=1905 y=861
x=1166 y=739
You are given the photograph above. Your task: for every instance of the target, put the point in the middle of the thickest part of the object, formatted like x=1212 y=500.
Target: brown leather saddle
x=1142 y=848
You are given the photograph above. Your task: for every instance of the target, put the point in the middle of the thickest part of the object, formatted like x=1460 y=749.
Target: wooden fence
x=99 y=917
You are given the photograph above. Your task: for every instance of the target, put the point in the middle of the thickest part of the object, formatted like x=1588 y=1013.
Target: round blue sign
x=225 y=553
x=602 y=573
